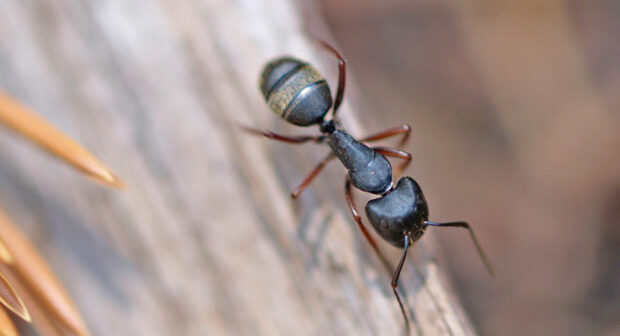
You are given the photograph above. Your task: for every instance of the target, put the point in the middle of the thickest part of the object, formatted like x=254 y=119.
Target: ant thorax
x=368 y=170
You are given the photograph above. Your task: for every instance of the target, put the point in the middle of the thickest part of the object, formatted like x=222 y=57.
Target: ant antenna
x=395 y=283
x=465 y=225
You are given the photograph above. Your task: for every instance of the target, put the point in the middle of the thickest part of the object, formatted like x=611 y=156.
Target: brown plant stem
x=7 y=328
x=5 y=255
x=33 y=127
x=10 y=299
x=35 y=275
x=42 y=320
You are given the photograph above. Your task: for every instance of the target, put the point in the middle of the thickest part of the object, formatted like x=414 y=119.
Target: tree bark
x=205 y=240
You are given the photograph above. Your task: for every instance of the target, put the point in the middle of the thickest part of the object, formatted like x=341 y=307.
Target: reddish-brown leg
x=395 y=153
x=358 y=220
x=295 y=139
x=405 y=130
x=319 y=167
x=342 y=75
x=373 y=243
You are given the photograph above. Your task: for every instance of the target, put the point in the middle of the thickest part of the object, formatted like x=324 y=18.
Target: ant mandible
x=298 y=93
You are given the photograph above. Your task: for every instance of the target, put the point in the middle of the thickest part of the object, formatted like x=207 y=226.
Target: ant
x=298 y=93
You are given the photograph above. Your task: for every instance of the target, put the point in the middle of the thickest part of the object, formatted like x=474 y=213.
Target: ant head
x=403 y=211
x=296 y=91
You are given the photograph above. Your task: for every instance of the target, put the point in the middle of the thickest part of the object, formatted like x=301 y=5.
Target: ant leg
x=373 y=243
x=360 y=224
x=395 y=153
x=342 y=75
x=297 y=139
x=405 y=130
x=319 y=167
x=395 y=280
x=465 y=225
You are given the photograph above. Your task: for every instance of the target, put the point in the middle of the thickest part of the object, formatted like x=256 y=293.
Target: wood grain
x=205 y=240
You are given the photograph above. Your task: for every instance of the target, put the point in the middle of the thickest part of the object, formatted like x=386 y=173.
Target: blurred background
x=515 y=114
x=516 y=128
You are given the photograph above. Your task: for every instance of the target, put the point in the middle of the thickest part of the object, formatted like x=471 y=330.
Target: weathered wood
x=205 y=240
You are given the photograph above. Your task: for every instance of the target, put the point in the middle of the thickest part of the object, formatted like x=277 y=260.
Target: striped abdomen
x=296 y=91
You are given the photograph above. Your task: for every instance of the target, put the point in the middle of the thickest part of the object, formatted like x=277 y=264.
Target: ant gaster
x=298 y=93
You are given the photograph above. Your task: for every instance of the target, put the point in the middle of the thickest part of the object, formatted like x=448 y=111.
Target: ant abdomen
x=400 y=213
x=296 y=91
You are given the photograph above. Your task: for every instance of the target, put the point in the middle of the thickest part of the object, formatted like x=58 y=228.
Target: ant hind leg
x=342 y=74
x=295 y=139
x=405 y=130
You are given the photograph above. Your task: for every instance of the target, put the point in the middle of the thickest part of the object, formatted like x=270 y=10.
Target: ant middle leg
x=295 y=139
x=405 y=130
x=317 y=169
x=397 y=154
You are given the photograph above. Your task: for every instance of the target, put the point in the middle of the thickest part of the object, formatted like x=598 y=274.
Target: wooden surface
x=205 y=240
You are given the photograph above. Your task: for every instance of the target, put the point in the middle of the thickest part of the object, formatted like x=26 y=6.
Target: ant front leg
x=295 y=139
x=405 y=130
x=375 y=247
x=397 y=154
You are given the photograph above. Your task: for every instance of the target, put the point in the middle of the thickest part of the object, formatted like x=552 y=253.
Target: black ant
x=298 y=93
